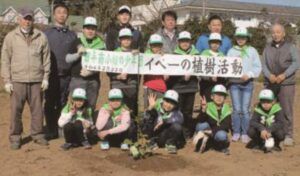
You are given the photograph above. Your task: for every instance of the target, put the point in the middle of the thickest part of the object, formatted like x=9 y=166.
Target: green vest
x=212 y=112
x=243 y=50
x=191 y=51
x=79 y=114
x=268 y=118
x=97 y=43
x=161 y=112
x=115 y=113
x=208 y=53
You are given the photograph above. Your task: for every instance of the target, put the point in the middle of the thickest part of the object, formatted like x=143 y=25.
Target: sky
x=275 y=2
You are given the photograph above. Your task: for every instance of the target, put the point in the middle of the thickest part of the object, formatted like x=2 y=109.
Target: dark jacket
x=177 y=82
x=217 y=119
x=76 y=66
x=112 y=37
x=280 y=59
x=60 y=40
x=271 y=121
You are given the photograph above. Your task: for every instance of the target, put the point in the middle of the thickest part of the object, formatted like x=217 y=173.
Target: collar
x=277 y=45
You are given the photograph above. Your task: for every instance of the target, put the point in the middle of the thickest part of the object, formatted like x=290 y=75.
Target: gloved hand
x=9 y=88
x=45 y=85
x=85 y=73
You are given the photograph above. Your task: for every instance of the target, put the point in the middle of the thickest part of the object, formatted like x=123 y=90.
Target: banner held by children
x=150 y=64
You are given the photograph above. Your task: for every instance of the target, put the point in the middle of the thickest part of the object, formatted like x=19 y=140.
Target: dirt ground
x=35 y=160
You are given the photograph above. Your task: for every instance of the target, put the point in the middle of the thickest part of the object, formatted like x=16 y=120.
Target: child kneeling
x=163 y=121
x=114 y=124
x=215 y=122
x=76 y=120
x=267 y=124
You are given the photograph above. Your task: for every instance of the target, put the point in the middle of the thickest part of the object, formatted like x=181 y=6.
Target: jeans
x=241 y=95
x=219 y=136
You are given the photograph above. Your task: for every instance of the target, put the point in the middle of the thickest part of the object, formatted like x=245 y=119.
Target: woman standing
x=241 y=89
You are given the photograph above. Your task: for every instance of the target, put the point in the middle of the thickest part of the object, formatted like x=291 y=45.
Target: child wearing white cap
x=162 y=122
x=154 y=83
x=76 y=120
x=244 y=86
x=267 y=123
x=215 y=122
x=207 y=83
x=127 y=83
x=114 y=124
x=81 y=77
x=186 y=85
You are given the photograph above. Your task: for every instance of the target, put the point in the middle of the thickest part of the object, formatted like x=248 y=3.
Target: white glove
x=81 y=50
x=85 y=73
x=9 y=88
x=45 y=85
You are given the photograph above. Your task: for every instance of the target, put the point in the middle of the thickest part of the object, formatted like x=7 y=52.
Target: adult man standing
x=112 y=32
x=60 y=39
x=215 y=25
x=168 y=31
x=25 y=67
x=281 y=61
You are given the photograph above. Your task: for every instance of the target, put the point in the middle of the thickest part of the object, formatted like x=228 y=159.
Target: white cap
x=215 y=36
x=79 y=93
x=155 y=39
x=266 y=94
x=242 y=32
x=124 y=8
x=171 y=95
x=269 y=143
x=125 y=32
x=184 y=35
x=219 y=88
x=90 y=21
x=115 y=94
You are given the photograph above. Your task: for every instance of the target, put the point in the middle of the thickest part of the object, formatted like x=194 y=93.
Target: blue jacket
x=202 y=43
x=250 y=61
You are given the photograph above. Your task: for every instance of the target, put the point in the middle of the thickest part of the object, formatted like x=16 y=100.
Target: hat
x=266 y=94
x=184 y=35
x=219 y=88
x=171 y=95
x=125 y=32
x=115 y=94
x=124 y=8
x=79 y=93
x=90 y=21
x=24 y=12
x=155 y=39
x=241 y=32
x=215 y=36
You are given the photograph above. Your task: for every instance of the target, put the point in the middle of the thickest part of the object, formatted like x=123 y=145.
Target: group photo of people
x=44 y=70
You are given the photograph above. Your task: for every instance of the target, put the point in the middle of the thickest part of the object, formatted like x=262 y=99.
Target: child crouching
x=76 y=121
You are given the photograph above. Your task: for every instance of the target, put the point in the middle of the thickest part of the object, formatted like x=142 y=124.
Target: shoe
x=86 y=145
x=288 y=141
x=245 y=139
x=171 y=149
x=124 y=147
x=66 y=146
x=15 y=145
x=41 y=141
x=236 y=137
x=225 y=151
x=253 y=145
x=104 y=145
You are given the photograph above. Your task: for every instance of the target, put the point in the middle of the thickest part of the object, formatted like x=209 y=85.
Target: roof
x=242 y=6
x=32 y=4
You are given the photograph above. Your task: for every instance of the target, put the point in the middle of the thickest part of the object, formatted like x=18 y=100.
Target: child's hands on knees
x=264 y=134
x=86 y=124
x=103 y=134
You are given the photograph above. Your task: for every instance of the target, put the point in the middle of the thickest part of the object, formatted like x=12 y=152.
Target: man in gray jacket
x=25 y=67
x=280 y=64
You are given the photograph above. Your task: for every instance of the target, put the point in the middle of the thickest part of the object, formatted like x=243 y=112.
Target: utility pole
x=203 y=8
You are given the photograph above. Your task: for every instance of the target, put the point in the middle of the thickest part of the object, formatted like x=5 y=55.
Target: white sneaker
x=104 y=145
x=124 y=147
x=288 y=141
